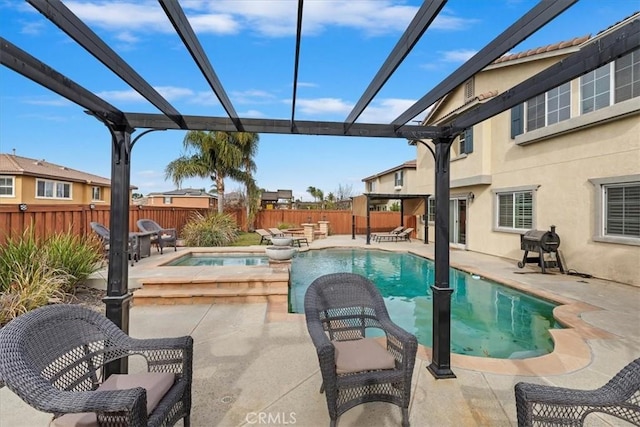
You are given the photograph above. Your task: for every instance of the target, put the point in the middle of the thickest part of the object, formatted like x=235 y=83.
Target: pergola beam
x=60 y=15
x=182 y=26
x=532 y=21
x=158 y=121
x=22 y=63
x=296 y=63
x=423 y=19
x=593 y=55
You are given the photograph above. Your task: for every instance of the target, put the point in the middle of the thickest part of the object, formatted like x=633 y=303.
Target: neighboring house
x=569 y=157
x=31 y=181
x=183 y=198
x=398 y=180
x=281 y=199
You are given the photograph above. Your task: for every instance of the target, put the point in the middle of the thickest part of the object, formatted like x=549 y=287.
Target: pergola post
x=118 y=297
x=368 y=220
x=440 y=366
x=426 y=220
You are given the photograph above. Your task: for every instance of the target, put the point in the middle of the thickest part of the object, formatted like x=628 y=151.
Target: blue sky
x=250 y=44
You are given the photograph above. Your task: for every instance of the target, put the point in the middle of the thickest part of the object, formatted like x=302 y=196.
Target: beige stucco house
x=32 y=181
x=183 y=198
x=395 y=181
x=569 y=158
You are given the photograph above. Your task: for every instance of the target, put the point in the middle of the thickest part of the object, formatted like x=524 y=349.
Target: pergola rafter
x=121 y=125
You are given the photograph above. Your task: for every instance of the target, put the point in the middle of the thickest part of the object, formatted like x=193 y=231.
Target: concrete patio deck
x=252 y=367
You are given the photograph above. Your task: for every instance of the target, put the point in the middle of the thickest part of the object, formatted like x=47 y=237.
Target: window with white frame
x=96 y=193
x=622 y=210
x=167 y=200
x=48 y=189
x=7 y=186
x=514 y=210
x=371 y=186
x=548 y=108
x=431 y=209
x=614 y=82
x=398 y=178
x=617 y=209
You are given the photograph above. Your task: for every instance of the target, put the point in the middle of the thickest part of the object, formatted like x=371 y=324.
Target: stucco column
x=324 y=227
x=308 y=231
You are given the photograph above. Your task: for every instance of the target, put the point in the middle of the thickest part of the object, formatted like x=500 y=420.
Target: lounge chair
x=265 y=236
x=52 y=358
x=161 y=237
x=103 y=233
x=403 y=235
x=276 y=232
x=339 y=307
x=545 y=405
x=296 y=240
x=396 y=230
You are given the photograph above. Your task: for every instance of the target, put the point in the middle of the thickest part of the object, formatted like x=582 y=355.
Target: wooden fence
x=50 y=219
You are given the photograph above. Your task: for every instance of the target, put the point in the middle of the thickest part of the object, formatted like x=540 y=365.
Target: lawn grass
x=246 y=239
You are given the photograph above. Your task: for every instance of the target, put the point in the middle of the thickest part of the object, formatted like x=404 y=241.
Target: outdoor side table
x=144 y=243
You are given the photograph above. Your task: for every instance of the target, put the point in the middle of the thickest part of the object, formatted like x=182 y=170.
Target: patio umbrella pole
x=118 y=297
x=440 y=366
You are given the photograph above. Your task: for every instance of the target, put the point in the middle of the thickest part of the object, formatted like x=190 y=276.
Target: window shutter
x=468 y=140
x=623 y=210
x=517 y=125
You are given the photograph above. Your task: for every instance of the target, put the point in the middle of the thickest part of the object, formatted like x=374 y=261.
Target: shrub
x=77 y=256
x=35 y=271
x=213 y=229
x=30 y=285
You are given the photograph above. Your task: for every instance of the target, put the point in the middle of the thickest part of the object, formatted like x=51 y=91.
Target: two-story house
x=569 y=157
x=183 y=198
x=31 y=181
x=395 y=181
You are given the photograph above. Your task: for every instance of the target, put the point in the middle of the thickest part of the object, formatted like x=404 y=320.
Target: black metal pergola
x=402 y=198
x=121 y=125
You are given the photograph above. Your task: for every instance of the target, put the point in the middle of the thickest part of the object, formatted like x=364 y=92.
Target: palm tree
x=313 y=191
x=216 y=155
x=248 y=143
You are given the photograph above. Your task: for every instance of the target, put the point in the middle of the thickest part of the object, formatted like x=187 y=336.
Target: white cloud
x=265 y=18
x=460 y=55
x=321 y=106
x=252 y=114
x=385 y=110
x=55 y=102
x=32 y=28
x=252 y=96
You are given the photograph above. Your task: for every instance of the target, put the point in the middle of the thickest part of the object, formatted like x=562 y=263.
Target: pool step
x=272 y=287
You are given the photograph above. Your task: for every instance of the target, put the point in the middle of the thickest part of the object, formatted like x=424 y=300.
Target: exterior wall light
x=92 y=206
x=23 y=207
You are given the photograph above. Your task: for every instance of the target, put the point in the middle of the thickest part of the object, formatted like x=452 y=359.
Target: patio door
x=458 y=221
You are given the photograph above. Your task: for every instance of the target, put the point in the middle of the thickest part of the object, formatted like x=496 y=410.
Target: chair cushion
x=366 y=354
x=155 y=383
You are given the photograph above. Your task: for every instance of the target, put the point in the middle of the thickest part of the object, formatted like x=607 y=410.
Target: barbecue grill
x=542 y=242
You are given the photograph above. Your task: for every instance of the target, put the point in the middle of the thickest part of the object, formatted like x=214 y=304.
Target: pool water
x=487 y=319
x=227 y=259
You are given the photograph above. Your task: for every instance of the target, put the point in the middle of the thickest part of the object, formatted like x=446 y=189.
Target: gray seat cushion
x=155 y=383
x=362 y=355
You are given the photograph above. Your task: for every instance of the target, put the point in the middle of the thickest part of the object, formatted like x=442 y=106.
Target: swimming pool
x=487 y=319
x=220 y=259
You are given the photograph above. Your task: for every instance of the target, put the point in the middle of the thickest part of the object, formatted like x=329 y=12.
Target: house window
x=398 y=178
x=627 y=77
x=167 y=200
x=617 y=209
x=371 y=186
x=53 y=189
x=96 y=193
x=548 y=108
x=431 y=209
x=7 y=186
x=612 y=83
x=465 y=142
x=514 y=210
x=622 y=210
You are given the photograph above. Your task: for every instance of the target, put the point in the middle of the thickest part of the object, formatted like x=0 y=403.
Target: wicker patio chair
x=52 y=358
x=339 y=308
x=103 y=233
x=545 y=405
x=162 y=237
